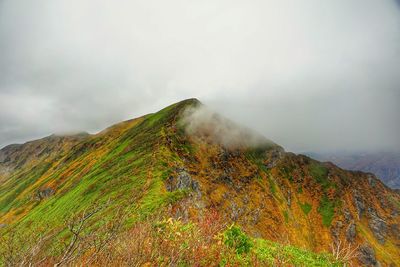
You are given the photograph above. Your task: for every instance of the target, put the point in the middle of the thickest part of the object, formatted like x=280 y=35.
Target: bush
x=235 y=238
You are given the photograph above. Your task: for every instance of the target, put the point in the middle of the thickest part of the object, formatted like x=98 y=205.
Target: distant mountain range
x=385 y=165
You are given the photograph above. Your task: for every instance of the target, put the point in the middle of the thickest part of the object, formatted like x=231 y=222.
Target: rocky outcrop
x=182 y=181
x=236 y=212
x=371 y=180
x=44 y=193
x=377 y=225
x=273 y=156
x=359 y=204
x=336 y=230
x=347 y=215
x=289 y=198
x=351 y=232
x=225 y=179
x=367 y=256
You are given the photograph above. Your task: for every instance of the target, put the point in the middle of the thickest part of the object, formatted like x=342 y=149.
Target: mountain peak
x=190 y=102
x=185 y=104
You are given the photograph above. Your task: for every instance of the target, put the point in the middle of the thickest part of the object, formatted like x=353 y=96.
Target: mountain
x=385 y=165
x=202 y=172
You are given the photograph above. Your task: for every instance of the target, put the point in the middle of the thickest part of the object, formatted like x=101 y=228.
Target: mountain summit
x=186 y=161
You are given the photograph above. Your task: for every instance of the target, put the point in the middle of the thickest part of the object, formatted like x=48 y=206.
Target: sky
x=310 y=75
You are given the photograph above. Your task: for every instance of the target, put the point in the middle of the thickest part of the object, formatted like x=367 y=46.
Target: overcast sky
x=311 y=75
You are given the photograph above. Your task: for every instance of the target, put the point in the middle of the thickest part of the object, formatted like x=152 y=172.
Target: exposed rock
x=273 y=156
x=183 y=181
x=395 y=229
x=347 y=215
x=225 y=179
x=256 y=216
x=226 y=196
x=394 y=213
x=351 y=232
x=367 y=256
x=44 y=193
x=359 y=203
x=383 y=201
x=226 y=154
x=246 y=179
x=335 y=231
x=181 y=212
x=195 y=186
x=235 y=211
x=371 y=180
x=377 y=225
x=246 y=199
x=289 y=198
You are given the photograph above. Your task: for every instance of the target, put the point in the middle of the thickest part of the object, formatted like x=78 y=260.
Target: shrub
x=235 y=238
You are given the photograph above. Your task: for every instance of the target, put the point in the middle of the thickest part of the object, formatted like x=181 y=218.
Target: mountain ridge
x=155 y=163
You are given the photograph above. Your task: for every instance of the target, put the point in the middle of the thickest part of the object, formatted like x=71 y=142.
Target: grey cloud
x=308 y=75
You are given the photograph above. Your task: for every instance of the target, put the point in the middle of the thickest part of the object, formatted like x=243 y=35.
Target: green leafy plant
x=235 y=238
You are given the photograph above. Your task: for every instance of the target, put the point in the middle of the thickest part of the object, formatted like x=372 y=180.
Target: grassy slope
x=126 y=165
x=119 y=164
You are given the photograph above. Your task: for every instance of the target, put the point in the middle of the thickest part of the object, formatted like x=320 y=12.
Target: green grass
x=305 y=207
x=300 y=189
x=286 y=215
x=132 y=166
x=395 y=202
x=271 y=252
x=272 y=185
x=327 y=210
x=320 y=174
x=11 y=190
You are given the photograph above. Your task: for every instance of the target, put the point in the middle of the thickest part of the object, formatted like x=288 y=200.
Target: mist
x=309 y=75
x=206 y=125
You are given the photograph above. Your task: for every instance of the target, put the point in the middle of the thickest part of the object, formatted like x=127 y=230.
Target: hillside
x=385 y=165
x=186 y=163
